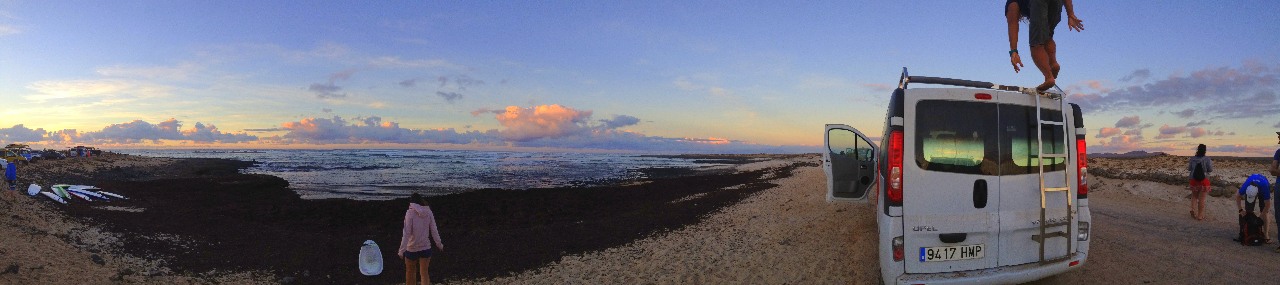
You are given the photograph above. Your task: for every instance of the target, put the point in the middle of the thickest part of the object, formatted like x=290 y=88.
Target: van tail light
x=1082 y=169
x=895 y=168
x=897 y=249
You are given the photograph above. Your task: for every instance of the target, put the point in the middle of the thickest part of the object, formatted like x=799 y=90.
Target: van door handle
x=980 y=193
x=953 y=238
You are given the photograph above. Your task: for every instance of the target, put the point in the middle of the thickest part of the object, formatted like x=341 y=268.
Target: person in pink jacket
x=415 y=244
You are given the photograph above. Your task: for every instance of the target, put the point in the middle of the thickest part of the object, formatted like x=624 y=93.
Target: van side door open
x=850 y=164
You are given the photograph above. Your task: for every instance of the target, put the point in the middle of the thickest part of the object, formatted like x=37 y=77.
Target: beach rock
x=288 y=280
x=126 y=271
x=13 y=268
x=98 y=259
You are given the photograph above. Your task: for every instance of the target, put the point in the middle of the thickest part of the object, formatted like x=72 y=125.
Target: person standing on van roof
x=1198 y=169
x=1261 y=199
x=1043 y=16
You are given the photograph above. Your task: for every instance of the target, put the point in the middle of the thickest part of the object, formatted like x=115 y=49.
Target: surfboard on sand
x=81 y=196
x=33 y=189
x=54 y=197
x=370 y=259
x=113 y=195
x=61 y=190
x=87 y=193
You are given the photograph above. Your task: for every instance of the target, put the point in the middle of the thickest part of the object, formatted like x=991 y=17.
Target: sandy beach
x=761 y=220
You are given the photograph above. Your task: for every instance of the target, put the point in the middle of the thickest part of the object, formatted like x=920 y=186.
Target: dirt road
x=1152 y=238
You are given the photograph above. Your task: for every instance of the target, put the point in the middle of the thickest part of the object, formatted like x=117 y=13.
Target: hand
x=1074 y=23
x=400 y=254
x=1016 y=61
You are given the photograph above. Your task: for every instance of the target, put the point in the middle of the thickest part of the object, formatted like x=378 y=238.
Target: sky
x=646 y=76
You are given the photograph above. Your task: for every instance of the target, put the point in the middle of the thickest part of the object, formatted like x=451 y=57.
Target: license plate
x=948 y=253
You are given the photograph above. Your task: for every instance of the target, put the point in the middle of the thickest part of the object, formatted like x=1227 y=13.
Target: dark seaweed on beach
x=204 y=216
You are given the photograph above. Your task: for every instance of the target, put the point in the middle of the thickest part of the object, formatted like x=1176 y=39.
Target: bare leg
x=422 y=266
x=1052 y=48
x=1040 y=55
x=410 y=271
x=1200 y=196
x=1194 y=194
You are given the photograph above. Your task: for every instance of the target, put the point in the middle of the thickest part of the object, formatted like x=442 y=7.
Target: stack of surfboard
x=62 y=193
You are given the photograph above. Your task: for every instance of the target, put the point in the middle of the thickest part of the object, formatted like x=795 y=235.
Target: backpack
x=1198 y=173
x=1251 y=230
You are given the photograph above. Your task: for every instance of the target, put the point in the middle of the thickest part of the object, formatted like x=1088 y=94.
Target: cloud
x=1240 y=149
x=409 y=82
x=1217 y=91
x=1277 y=125
x=1167 y=132
x=139 y=131
x=1199 y=123
x=326 y=91
x=330 y=90
x=372 y=130
x=265 y=130
x=6 y=30
x=460 y=82
x=619 y=121
x=1185 y=113
x=1128 y=122
x=177 y=72
x=95 y=90
x=1108 y=132
x=1137 y=75
x=543 y=121
x=210 y=134
x=477 y=112
x=20 y=133
x=449 y=96
x=396 y=62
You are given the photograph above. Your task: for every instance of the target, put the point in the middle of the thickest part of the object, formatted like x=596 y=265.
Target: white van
x=962 y=196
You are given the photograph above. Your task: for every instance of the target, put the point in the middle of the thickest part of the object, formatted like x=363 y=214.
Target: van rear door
x=1020 y=180
x=951 y=192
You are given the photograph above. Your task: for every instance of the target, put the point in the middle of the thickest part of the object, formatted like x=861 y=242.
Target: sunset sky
x=688 y=76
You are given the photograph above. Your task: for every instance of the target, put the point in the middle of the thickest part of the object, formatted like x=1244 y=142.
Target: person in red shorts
x=1198 y=170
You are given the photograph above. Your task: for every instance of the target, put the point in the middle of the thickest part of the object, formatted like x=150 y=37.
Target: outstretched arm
x=1073 y=23
x=1011 y=16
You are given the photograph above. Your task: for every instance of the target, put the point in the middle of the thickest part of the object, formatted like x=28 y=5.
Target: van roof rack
x=904 y=79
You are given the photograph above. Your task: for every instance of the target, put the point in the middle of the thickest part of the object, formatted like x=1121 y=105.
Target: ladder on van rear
x=1045 y=237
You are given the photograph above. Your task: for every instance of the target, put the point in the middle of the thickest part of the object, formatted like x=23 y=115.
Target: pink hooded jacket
x=419 y=224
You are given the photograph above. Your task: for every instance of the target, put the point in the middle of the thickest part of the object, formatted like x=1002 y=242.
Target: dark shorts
x=1045 y=15
x=415 y=255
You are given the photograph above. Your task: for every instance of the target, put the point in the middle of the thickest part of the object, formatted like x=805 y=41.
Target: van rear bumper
x=999 y=275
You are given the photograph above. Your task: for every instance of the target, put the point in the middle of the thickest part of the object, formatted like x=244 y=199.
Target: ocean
x=386 y=174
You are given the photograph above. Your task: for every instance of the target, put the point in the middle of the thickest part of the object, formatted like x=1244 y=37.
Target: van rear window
x=1020 y=135
x=984 y=138
x=956 y=136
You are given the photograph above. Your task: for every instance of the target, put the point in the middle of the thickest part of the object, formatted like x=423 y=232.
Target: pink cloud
x=1107 y=132
x=543 y=121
